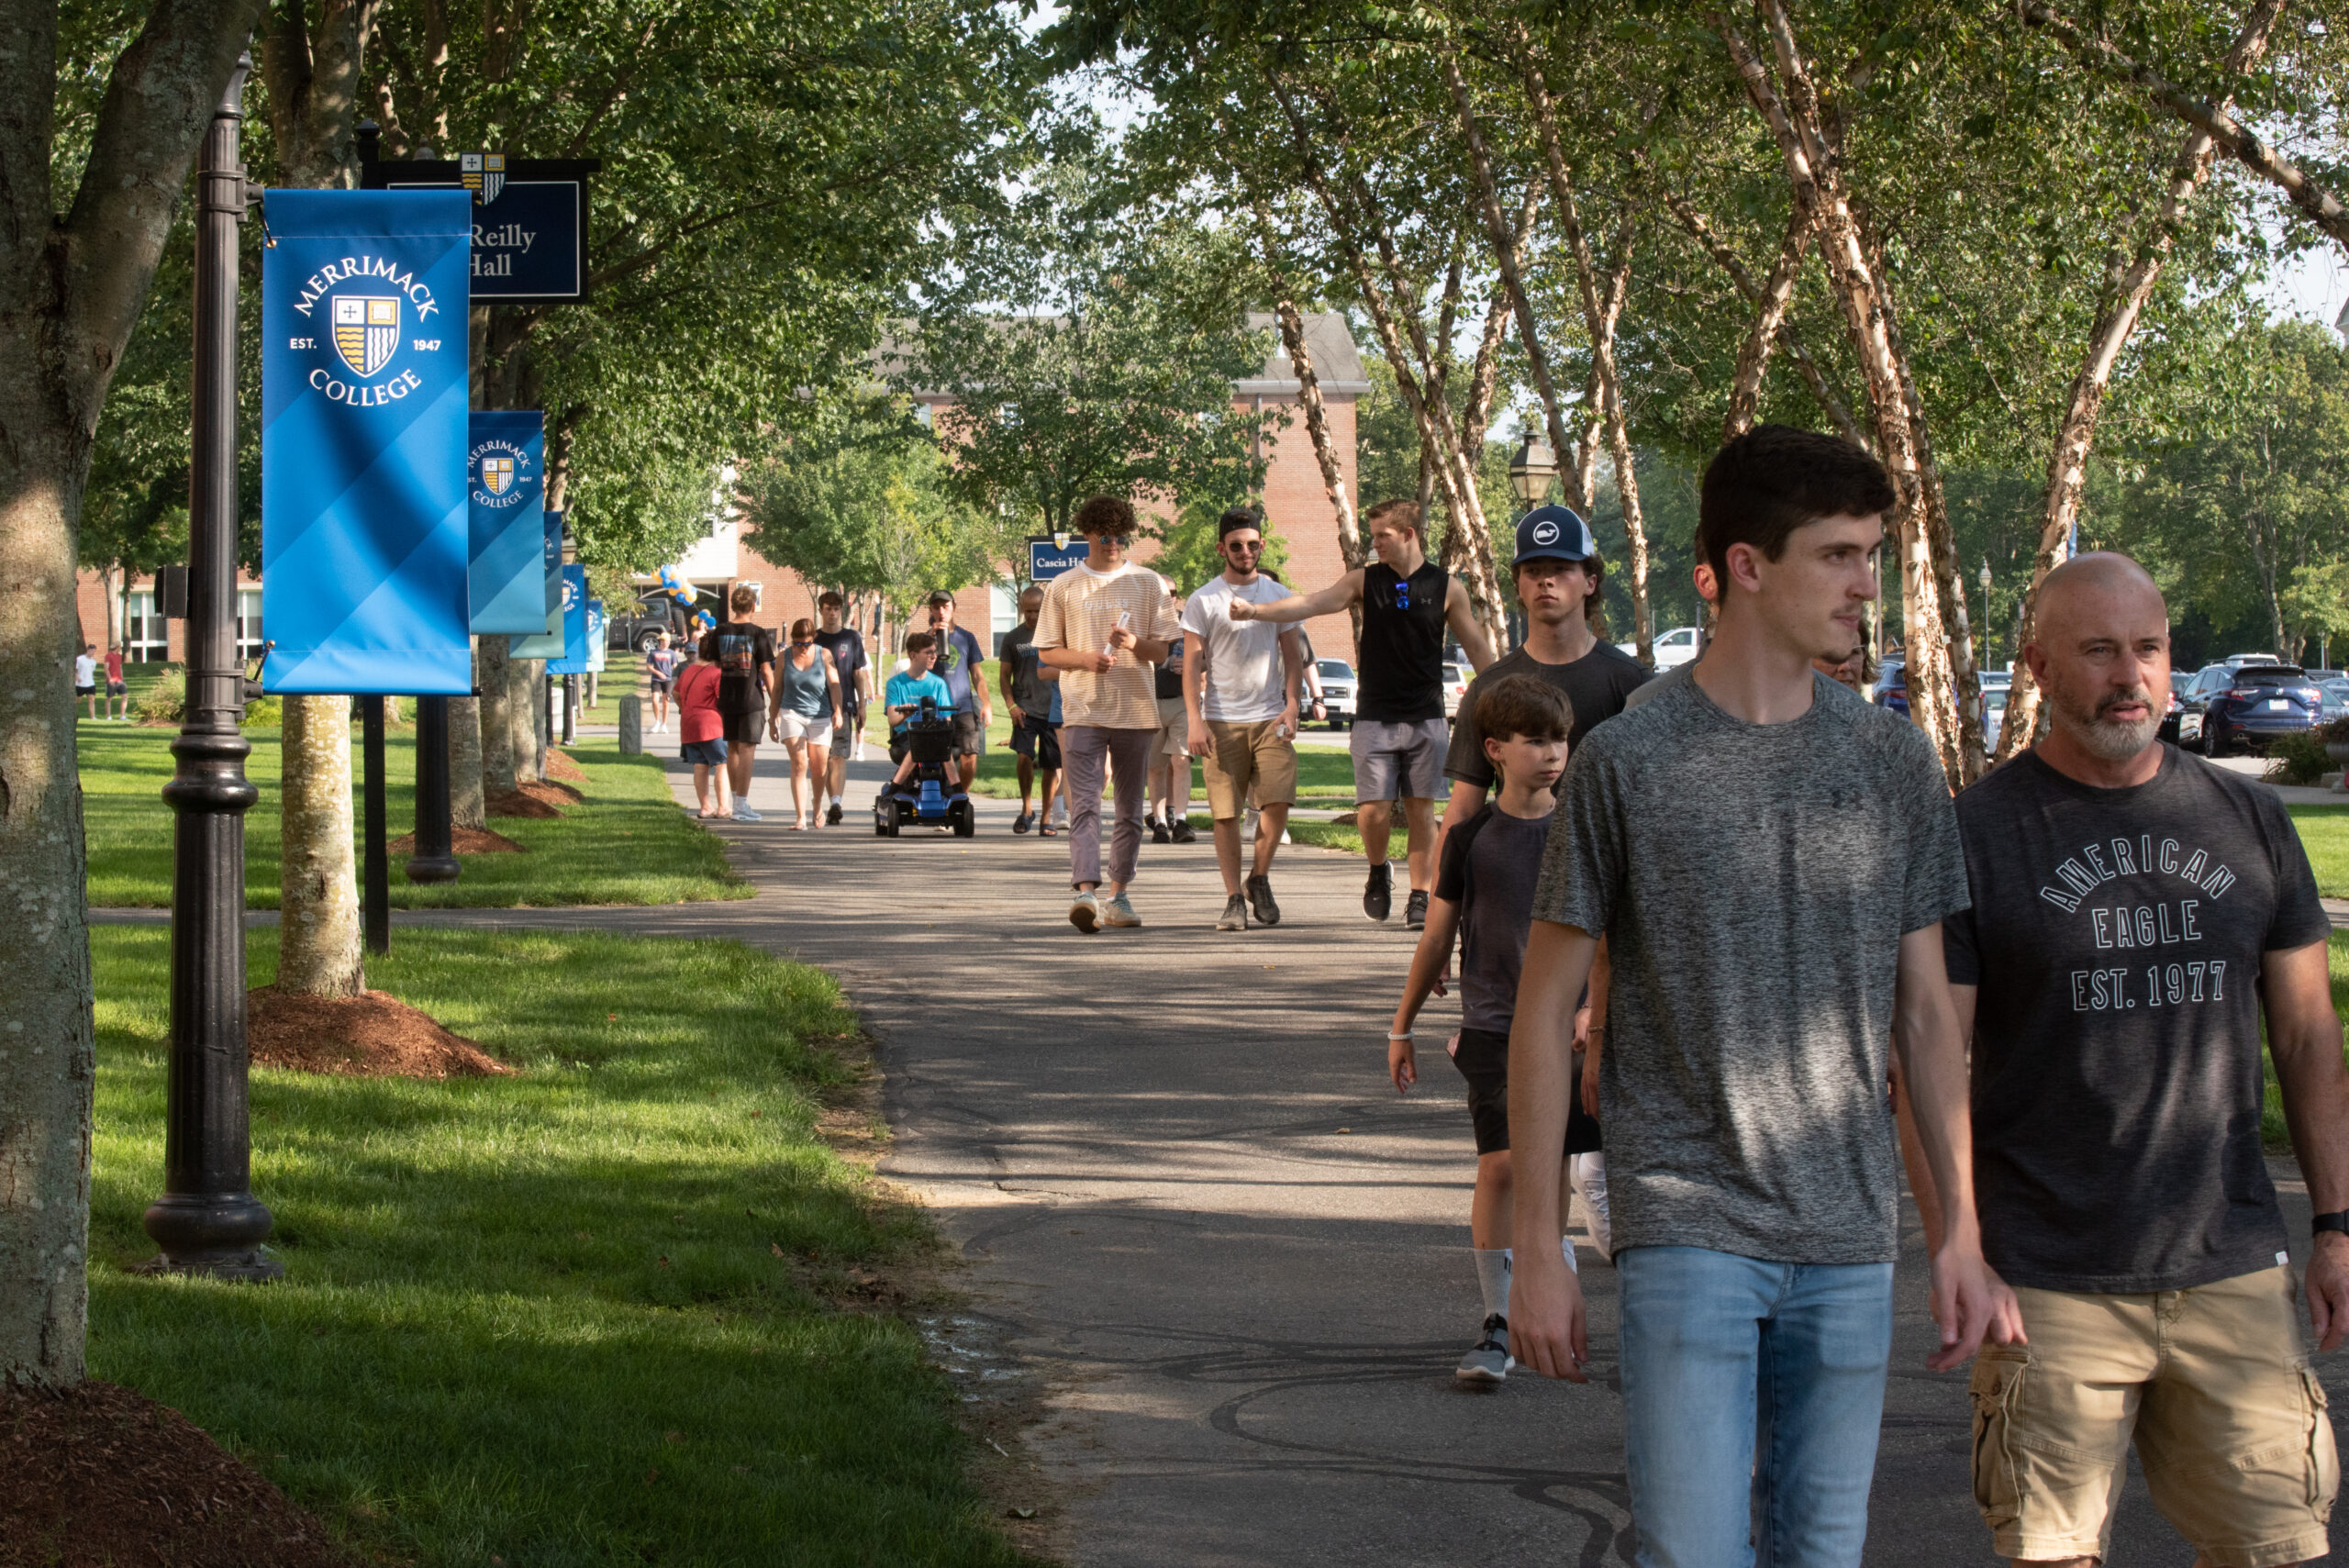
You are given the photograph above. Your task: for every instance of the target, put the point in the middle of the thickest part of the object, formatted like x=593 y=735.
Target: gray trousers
x=1089 y=754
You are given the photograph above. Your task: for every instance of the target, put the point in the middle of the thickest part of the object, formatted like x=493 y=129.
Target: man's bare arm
x=1460 y=614
x=2304 y=1038
x=1969 y=1301
x=1338 y=596
x=1546 y=1325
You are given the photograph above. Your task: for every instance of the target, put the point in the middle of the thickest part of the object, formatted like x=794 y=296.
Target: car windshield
x=2337 y=691
x=2270 y=675
x=1995 y=702
x=1337 y=668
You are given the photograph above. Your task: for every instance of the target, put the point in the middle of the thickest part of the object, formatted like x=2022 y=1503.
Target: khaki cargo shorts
x=2214 y=1386
x=1245 y=754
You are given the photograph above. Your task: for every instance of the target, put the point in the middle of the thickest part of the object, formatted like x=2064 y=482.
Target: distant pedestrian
x=701 y=728
x=1104 y=622
x=959 y=656
x=1170 y=752
x=846 y=645
x=85 y=676
x=117 y=689
x=1239 y=685
x=804 y=714
x=1035 y=734
x=2138 y=915
x=1484 y=896
x=1399 y=733
x=660 y=662
x=744 y=655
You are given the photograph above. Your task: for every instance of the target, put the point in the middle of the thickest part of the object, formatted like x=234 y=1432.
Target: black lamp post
x=208 y=1221
x=434 y=860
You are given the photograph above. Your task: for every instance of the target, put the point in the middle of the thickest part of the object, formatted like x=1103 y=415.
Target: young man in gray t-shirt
x=1770 y=859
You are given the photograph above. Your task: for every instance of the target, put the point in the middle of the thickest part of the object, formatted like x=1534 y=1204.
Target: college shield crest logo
x=483 y=174
x=366 y=330
x=497 y=474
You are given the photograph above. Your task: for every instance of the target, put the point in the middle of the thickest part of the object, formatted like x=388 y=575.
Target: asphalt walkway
x=1193 y=1204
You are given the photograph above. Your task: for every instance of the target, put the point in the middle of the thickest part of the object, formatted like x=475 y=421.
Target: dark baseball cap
x=1553 y=533
x=939 y=597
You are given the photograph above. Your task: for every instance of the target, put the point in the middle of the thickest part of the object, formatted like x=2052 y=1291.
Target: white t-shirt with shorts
x=1242 y=683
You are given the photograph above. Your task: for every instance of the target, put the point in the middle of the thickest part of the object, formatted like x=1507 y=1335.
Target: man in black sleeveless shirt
x=1399 y=734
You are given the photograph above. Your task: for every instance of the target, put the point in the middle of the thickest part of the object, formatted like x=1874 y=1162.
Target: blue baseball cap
x=1553 y=533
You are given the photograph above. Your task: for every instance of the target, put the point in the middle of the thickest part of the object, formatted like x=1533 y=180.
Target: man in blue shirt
x=959 y=657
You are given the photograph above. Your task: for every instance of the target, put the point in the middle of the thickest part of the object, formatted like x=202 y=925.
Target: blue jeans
x=1752 y=1393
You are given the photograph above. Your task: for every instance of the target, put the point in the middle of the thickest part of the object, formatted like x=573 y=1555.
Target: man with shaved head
x=2135 y=912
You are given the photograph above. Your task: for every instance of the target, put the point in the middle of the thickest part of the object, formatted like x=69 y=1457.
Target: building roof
x=1337 y=365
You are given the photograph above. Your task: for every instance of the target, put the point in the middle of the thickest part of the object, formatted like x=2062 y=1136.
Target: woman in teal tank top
x=803 y=711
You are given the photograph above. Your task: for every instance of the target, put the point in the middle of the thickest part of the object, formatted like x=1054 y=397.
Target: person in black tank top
x=1399 y=736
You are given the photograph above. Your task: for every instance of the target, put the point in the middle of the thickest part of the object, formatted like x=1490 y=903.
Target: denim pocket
x=1995 y=1388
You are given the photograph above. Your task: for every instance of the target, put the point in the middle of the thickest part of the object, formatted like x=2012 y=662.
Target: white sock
x=1566 y=1245
x=1492 y=1279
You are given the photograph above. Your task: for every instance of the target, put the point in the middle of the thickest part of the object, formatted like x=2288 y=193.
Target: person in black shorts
x=744 y=655
x=1484 y=895
x=660 y=669
x=959 y=657
x=846 y=645
x=1035 y=738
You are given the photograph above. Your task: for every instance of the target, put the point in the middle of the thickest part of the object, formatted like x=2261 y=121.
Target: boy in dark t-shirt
x=1484 y=894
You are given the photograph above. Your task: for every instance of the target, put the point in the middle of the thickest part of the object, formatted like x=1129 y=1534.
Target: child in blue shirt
x=903 y=696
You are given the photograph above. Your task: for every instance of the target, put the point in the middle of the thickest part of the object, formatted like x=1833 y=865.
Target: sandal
x=1047 y=831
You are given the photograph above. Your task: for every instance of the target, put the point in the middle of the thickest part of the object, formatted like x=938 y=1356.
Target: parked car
x=1456 y=677
x=639 y=626
x=2335 y=692
x=1994 y=714
x=2237 y=660
x=1892 y=686
x=1673 y=649
x=2176 y=715
x=1337 y=691
x=2248 y=705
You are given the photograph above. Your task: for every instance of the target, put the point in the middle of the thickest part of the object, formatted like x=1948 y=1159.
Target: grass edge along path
x=626 y=844
x=576 y=1316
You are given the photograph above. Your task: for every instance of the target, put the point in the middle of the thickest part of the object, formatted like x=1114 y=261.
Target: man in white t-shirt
x=1105 y=622
x=1240 y=687
x=85 y=676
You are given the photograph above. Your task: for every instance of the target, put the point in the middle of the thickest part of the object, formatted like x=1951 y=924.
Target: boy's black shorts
x=1483 y=1060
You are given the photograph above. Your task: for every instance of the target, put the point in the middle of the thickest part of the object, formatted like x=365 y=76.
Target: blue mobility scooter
x=925 y=800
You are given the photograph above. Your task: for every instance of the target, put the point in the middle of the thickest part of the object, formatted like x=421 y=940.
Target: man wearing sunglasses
x=1400 y=736
x=1239 y=695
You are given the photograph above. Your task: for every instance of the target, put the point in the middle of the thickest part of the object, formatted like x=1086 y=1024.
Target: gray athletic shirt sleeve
x=1754 y=882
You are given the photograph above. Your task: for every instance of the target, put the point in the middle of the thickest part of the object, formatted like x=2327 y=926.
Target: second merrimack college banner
x=506 y=474
x=365 y=521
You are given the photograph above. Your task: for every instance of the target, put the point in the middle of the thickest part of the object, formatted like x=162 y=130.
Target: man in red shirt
x=117 y=690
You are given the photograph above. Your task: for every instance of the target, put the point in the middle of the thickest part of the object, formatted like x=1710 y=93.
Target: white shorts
x=799 y=726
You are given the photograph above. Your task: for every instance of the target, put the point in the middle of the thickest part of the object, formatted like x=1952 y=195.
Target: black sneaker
x=1378 y=894
x=832 y=814
x=1260 y=897
x=1158 y=834
x=1235 y=915
x=1415 y=910
x=1183 y=832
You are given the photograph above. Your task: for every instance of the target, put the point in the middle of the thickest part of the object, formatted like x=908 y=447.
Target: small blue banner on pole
x=364 y=528
x=506 y=473
x=598 y=635
x=547 y=641
x=574 y=658
x=1048 y=557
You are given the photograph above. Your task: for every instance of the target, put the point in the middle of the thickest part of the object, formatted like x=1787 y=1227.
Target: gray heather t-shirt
x=1754 y=882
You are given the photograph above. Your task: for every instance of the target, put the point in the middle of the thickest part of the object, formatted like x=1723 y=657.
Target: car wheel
x=646 y=641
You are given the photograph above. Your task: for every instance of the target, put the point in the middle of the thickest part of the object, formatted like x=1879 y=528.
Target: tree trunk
x=497 y=718
x=467 y=807
x=1309 y=397
x=1601 y=314
x=318 y=934
x=1769 y=316
x=2123 y=304
x=525 y=714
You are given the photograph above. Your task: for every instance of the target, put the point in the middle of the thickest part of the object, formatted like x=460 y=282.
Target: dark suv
x=2246 y=706
x=639 y=625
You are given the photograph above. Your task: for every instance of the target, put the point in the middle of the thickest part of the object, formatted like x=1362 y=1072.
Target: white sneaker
x=1587 y=1174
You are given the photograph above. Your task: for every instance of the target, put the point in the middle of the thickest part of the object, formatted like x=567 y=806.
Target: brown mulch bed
x=369 y=1036
x=538 y=799
x=464 y=841
x=562 y=770
x=102 y=1477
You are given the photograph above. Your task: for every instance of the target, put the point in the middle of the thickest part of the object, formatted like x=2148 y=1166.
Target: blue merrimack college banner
x=505 y=470
x=573 y=661
x=364 y=526
x=547 y=641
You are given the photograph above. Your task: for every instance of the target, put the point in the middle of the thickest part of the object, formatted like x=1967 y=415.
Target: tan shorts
x=1247 y=755
x=1173 y=737
x=2214 y=1383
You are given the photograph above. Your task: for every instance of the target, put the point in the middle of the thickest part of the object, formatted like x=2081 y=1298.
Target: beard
x=2104 y=737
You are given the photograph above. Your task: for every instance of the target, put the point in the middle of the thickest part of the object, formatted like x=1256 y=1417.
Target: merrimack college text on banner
x=507 y=481
x=364 y=527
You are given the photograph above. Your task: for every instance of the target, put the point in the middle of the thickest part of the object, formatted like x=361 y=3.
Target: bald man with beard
x=2136 y=911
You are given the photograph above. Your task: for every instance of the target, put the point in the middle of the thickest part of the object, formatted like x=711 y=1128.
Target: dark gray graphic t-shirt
x=2116 y=938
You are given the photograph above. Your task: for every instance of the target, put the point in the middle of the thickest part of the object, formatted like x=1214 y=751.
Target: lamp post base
x=215 y=1234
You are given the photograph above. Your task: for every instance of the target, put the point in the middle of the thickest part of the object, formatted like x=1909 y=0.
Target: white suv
x=1337 y=691
x=1673 y=649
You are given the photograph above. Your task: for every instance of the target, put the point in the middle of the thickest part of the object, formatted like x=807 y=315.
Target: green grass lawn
x=572 y=1316
x=2324 y=833
x=2271 y=1120
x=628 y=844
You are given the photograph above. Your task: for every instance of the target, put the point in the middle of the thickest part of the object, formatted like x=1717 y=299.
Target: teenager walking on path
x=660 y=662
x=846 y=645
x=1027 y=696
x=2136 y=914
x=1240 y=697
x=959 y=656
x=1753 y=1174
x=1399 y=733
x=744 y=655
x=701 y=734
x=1104 y=622
x=803 y=715
x=85 y=676
x=1170 y=751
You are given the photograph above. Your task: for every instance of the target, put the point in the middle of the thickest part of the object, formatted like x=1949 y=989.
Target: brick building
x=1296 y=507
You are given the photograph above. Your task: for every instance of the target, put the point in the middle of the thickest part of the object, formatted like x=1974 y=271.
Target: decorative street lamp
x=1985 y=611
x=208 y=1221
x=1530 y=472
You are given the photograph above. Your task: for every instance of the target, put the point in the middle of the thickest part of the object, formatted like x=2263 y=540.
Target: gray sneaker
x=1260 y=894
x=1084 y=913
x=1115 y=911
x=744 y=813
x=1490 y=1361
x=1235 y=915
